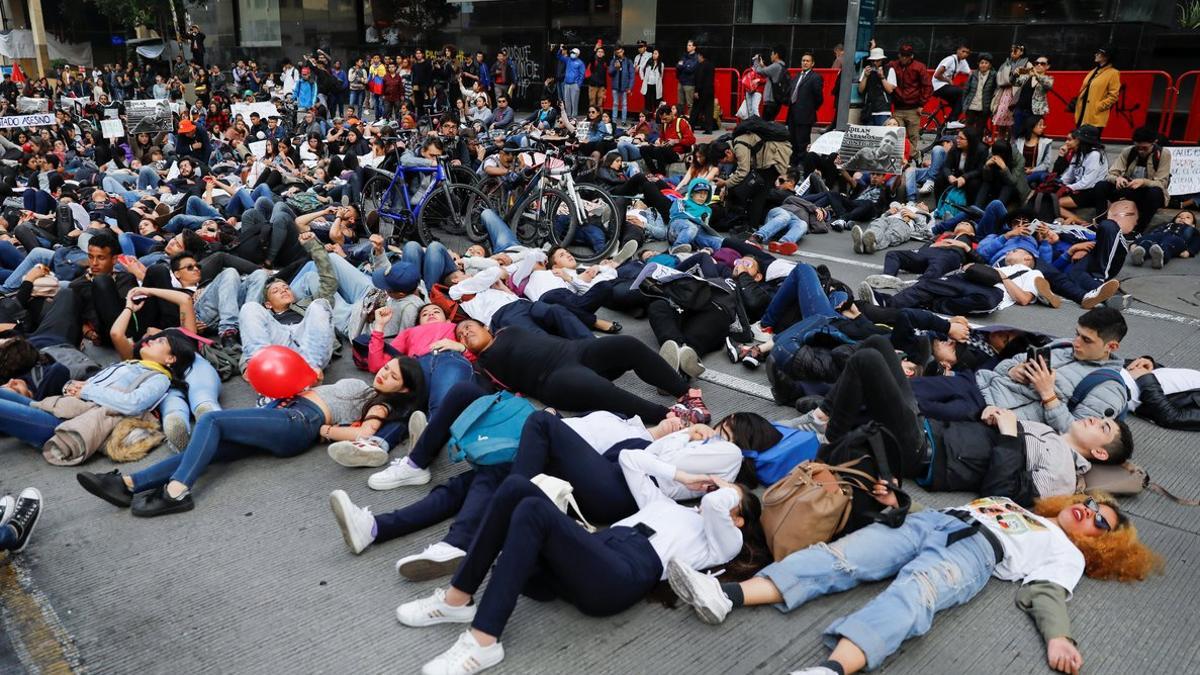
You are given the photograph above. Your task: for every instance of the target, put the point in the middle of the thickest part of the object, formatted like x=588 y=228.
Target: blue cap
x=400 y=277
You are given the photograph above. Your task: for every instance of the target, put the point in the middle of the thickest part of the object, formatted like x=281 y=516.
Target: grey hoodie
x=1106 y=399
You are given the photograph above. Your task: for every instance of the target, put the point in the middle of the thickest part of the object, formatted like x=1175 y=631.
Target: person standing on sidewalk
x=1099 y=92
x=702 y=118
x=621 y=69
x=685 y=75
x=913 y=89
x=597 y=78
x=572 y=78
x=773 y=96
x=808 y=93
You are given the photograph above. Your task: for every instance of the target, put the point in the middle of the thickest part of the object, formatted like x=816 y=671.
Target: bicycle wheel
x=597 y=228
x=451 y=213
x=530 y=220
x=372 y=200
x=463 y=175
x=493 y=187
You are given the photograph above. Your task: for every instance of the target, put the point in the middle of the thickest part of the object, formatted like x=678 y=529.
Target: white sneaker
x=465 y=658
x=432 y=610
x=864 y=293
x=372 y=451
x=701 y=591
x=926 y=188
x=669 y=351
x=885 y=281
x=1098 y=295
x=437 y=560
x=626 y=252
x=815 y=670
x=175 y=427
x=856 y=236
x=417 y=422
x=355 y=522
x=8 y=506
x=689 y=362
x=399 y=473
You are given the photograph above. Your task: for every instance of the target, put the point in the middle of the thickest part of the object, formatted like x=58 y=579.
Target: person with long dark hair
x=343 y=410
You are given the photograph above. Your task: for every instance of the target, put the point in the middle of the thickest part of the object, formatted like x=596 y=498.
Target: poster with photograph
x=874 y=149
x=26 y=105
x=149 y=116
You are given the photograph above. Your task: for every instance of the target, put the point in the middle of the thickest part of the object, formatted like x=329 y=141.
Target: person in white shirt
x=548 y=554
x=288 y=77
x=582 y=451
x=581 y=292
x=941 y=559
x=487 y=298
x=976 y=289
x=1169 y=397
x=943 y=79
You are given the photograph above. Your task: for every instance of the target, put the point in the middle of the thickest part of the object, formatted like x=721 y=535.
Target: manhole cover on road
x=1172 y=292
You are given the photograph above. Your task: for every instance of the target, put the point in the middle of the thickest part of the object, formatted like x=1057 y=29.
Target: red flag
x=17 y=74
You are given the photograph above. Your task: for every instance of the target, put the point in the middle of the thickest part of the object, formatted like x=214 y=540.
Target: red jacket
x=393 y=88
x=914 y=85
x=680 y=131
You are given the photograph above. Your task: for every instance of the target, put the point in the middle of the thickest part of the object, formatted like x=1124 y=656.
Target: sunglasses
x=191 y=268
x=1043 y=63
x=1101 y=523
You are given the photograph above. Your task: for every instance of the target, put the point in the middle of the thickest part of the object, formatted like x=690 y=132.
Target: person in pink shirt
x=443 y=368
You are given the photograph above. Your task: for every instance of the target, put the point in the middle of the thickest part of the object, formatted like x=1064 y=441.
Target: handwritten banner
x=1185 y=171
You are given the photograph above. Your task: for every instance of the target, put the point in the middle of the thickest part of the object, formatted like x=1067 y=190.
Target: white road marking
x=1162 y=316
x=737 y=384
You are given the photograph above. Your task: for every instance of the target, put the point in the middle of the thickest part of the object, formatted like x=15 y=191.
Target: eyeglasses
x=1043 y=63
x=1101 y=522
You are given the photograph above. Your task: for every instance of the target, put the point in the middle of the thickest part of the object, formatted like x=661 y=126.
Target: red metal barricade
x=725 y=91
x=1191 y=130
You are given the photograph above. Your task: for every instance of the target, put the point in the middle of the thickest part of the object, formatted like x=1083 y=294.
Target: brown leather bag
x=810 y=505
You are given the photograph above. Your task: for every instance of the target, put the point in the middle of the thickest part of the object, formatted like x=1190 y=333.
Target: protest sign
x=149 y=116
x=112 y=128
x=265 y=109
x=32 y=105
x=259 y=148
x=827 y=143
x=1185 y=171
x=876 y=149
x=36 y=120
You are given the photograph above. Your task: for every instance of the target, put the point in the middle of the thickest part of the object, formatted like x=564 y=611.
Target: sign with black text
x=874 y=149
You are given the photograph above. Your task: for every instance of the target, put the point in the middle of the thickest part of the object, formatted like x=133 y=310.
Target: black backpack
x=876 y=451
x=765 y=129
x=782 y=85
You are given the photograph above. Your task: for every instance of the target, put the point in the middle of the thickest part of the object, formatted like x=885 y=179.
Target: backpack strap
x=1090 y=382
x=1155 y=487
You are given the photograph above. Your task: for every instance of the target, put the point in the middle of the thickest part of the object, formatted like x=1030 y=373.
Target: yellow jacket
x=1101 y=96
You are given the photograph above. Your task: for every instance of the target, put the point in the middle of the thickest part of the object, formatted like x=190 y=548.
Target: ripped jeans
x=930 y=577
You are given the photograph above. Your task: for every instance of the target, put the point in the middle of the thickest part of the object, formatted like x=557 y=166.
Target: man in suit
x=702 y=113
x=808 y=93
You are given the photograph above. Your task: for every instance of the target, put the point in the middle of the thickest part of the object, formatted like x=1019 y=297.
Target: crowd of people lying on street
x=187 y=268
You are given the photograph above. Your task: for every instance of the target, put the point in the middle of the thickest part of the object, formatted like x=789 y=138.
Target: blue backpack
x=1093 y=380
x=489 y=430
x=949 y=203
x=796 y=446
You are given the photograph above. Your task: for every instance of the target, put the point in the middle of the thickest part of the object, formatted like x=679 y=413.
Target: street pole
x=38 y=25
x=850 y=47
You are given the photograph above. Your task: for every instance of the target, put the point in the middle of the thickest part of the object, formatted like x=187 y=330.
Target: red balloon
x=279 y=372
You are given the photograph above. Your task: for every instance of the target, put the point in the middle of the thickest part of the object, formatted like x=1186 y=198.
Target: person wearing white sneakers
x=18 y=518
x=548 y=554
x=941 y=559
x=466 y=496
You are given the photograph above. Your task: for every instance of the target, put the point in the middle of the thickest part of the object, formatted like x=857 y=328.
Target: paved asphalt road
x=257 y=579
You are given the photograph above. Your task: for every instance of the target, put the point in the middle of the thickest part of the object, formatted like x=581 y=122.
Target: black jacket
x=705 y=74
x=805 y=98
x=972 y=169
x=1177 y=411
x=975 y=457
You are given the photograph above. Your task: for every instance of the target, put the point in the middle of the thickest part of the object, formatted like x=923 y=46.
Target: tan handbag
x=810 y=505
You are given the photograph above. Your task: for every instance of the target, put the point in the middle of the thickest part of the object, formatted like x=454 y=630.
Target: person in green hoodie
x=689 y=219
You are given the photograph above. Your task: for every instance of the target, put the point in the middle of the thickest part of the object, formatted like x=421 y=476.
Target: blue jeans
x=312 y=338
x=499 y=233
x=629 y=151
x=229 y=435
x=356 y=98
x=686 y=232
x=38 y=256
x=204 y=389
x=780 y=219
x=148 y=178
x=243 y=200
x=937 y=158
x=434 y=261
x=585 y=233
x=930 y=576
x=23 y=422
x=442 y=371
x=620 y=101
x=114 y=186
x=10 y=256
x=8 y=537
x=992 y=221
x=135 y=245
x=802 y=286
x=195 y=212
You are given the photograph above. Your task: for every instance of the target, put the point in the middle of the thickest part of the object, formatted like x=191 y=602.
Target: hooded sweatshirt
x=686 y=209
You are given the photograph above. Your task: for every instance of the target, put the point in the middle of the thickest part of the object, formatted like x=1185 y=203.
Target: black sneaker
x=157 y=502
x=107 y=486
x=231 y=340
x=25 y=516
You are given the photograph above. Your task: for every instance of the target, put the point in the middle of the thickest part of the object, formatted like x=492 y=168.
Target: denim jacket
x=128 y=387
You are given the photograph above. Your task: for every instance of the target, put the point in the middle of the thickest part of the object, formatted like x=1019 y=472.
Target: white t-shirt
x=1171 y=380
x=950 y=66
x=1035 y=549
x=1024 y=282
x=602 y=429
x=778 y=269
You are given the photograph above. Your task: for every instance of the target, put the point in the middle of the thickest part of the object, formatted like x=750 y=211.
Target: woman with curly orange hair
x=942 y=559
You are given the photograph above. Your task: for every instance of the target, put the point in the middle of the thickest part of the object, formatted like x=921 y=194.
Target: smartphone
x=1043 y=353
x=126 y=260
